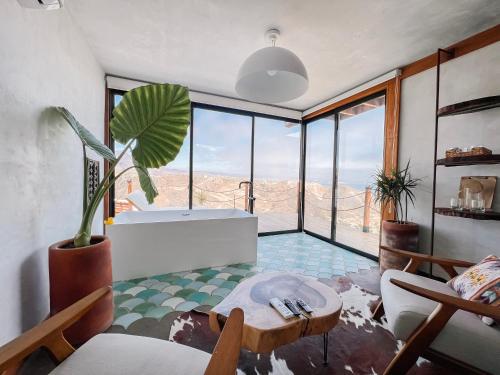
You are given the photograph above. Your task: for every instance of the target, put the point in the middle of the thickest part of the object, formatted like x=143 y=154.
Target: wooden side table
x=264 y=328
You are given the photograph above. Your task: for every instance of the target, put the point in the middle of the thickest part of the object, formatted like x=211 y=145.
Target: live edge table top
x=264 y=328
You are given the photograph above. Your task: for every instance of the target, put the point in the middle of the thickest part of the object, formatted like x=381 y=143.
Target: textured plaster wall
x=474 y=75
x=44 y=61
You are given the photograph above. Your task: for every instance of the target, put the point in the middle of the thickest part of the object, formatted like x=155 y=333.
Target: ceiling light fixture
x=272 y=74
x=41 y=4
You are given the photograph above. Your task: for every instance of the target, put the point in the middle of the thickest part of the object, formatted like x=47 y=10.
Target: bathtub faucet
x=249 y=193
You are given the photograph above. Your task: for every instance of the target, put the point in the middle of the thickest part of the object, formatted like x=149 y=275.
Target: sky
x=222 y=145
x=360 y=149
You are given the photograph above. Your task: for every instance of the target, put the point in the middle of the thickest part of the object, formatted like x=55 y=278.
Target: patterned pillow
x=480 y=283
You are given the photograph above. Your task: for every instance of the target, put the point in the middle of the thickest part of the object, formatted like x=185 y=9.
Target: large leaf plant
x=152 y=122
x=395 y=191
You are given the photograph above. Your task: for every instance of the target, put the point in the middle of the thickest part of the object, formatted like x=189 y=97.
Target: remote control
x=281 y=308
x=291 y=306
x=304 y=306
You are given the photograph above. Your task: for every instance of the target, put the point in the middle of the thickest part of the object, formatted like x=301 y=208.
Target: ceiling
x=202 y=43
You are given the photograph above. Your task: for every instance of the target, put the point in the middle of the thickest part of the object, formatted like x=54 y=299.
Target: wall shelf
x=469 y=160
x=487 y=215
x=470 y=106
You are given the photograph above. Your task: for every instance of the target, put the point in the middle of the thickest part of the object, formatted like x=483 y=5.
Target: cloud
x=208 y=147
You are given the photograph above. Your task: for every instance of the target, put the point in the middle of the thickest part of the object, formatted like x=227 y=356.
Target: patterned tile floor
x=159 y=295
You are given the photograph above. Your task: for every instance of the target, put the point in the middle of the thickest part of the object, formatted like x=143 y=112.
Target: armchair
x=111 y=354
x=434 y=322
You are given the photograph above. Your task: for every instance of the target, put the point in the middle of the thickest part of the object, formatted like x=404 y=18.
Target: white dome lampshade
x=272 y=75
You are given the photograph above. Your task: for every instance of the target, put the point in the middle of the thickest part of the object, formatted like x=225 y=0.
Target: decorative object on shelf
x=394 y=192
x=457 y=152
x=477 y=184
x=468 y=214
x=272 y=74
x=454 y=203
x=152 y=122
x=486 y=159
x=93 y=175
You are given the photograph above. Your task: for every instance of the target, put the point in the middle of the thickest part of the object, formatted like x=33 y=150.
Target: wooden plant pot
x=75 y=273
x=402 y=236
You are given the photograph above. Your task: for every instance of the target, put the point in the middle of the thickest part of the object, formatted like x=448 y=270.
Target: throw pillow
x=480 y=282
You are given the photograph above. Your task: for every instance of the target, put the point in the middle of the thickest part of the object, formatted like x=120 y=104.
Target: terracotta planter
x=73 y=274
x=400 y=236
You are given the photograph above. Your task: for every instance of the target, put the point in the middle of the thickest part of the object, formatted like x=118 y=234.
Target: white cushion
x=465 y=337
x=110 y=354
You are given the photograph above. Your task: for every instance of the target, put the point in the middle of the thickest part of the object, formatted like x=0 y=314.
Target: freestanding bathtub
x=147 y=243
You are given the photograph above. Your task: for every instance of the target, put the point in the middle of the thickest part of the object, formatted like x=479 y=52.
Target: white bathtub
x=147 y=243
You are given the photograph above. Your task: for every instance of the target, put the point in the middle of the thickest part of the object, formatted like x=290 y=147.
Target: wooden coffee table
x=264 y=328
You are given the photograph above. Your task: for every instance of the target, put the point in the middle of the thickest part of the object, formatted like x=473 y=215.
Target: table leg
x=325 y=348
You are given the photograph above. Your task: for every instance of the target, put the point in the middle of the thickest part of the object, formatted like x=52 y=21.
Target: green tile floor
x=156 y=296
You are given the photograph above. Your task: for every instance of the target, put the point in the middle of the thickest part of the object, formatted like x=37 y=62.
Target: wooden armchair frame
x=49 y=334
x=419 y=341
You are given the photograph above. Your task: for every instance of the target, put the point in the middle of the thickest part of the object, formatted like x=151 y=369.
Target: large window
x=360 y=155
x=221 y=158
x=343 y=153
x=172 y=181
x=276 y=174
x=319 y=176
x=228 y=147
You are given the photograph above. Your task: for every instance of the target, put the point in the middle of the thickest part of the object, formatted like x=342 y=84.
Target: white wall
x=44 y=61
x=471 y=76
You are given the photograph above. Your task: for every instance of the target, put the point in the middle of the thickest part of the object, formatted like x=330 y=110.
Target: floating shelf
x=470 y=106
x=488 y=215
x=469 y=160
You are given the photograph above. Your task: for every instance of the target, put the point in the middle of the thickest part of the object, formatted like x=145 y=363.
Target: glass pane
x=319 y=176
x=221 y=158
x=172 y=181
x=276 y=174
x=360 y=155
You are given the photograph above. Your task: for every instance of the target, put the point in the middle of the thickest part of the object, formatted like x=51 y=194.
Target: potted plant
x=152 y=122
x=394 y=191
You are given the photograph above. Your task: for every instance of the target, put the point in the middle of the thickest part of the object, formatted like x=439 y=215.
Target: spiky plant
x=394 y=190
x=152 y=122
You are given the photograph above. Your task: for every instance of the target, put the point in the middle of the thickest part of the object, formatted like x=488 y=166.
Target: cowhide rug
x=357 y=345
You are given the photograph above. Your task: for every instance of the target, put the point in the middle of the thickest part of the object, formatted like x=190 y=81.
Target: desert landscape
x=276 y=203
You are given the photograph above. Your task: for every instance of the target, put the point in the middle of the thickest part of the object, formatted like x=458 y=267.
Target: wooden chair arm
x=456 y=303
x=49 y=333
x=225 y=356
x=417 y=258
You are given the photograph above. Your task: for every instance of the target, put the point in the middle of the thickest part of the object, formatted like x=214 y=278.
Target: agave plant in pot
x=394 y=191
x=152 y=122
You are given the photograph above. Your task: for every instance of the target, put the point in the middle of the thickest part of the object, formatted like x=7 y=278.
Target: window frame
x=109 y=199
x=334 y=112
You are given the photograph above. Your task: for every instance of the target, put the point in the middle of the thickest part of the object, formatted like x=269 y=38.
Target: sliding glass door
x=230 y=157
x=360 y=145
x=343 y=153
x=276 y=174
x=221 y=158
x=318 y=185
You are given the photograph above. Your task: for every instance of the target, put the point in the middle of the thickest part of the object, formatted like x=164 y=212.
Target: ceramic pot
x=76 y=272
x=402 y=236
